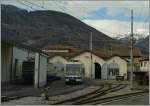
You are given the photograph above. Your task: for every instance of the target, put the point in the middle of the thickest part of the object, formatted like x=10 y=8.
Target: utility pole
x=131 y=52
x=91 y=52
x=110 y=49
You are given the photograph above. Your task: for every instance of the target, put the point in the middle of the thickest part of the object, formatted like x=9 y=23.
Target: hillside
x=45 y=27
x=144 y=43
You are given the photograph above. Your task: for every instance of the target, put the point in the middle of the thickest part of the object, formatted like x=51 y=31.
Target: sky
x=110 y=17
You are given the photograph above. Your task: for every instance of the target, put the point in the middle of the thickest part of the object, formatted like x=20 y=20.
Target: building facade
x=13 y=57
x=56 y=66
x=95 y=67
x=144 y=65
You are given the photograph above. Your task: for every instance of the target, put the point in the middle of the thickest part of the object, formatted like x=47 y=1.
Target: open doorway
x=97 y=71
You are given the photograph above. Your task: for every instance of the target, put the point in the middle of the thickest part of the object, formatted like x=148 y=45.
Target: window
x=73 y=69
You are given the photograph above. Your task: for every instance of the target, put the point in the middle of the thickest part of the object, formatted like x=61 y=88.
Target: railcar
x=73 y=73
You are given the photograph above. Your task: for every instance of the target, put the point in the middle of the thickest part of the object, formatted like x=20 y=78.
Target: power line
x=64 y=11
x=103 y=30
x=83 y=17
x=19 y=1
x=60 y=7
x=42 y=7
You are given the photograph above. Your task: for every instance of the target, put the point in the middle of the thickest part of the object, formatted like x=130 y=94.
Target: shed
x=14 y=55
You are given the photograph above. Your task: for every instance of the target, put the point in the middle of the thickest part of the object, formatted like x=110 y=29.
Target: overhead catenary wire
x=34 y=4
x=22 y=3
x=64 y=11
x=62 y=8
x=103 y=30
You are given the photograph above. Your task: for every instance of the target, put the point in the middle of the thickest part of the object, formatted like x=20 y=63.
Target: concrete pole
x=91 y=52
x=131 y=52
x=36 y=71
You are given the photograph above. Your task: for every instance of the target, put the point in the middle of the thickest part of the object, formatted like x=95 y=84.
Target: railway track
x=100 y=93
x=108 y=100
x=79 y=97
x=88 y=97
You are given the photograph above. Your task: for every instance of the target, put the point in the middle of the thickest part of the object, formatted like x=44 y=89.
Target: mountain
x=144 y=43
x=42 y=28
x=126 y=38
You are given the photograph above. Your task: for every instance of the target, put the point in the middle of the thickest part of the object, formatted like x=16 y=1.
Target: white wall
x=85 y=59
x=56 y=66
x=57 y=59
x=40 y=72
x=43 y=70
x=144 y=65
x=104 y=71
x=36 y=71
x=122 y=64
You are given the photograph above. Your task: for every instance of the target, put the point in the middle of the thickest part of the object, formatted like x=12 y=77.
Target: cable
x=42 y=7
x=19 y=1
x=101 y=29
x=63 y=10
x=60 y=7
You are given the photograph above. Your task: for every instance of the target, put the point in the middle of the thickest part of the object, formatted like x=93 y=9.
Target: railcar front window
x=72 y=69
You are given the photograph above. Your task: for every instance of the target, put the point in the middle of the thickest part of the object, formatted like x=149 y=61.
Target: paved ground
x=98 y=82
x=55 y=88
x=52 y=99
x=142 y=100
x=59 y=88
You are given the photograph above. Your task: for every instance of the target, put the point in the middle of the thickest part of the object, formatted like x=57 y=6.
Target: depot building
x=22 y=64
x=96 y=64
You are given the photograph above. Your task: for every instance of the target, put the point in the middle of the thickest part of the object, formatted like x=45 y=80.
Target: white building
x=56 y=66
x=97 y=62
x=114 y=66
x=98 y=68
x=13 y=56
x=144 y=64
